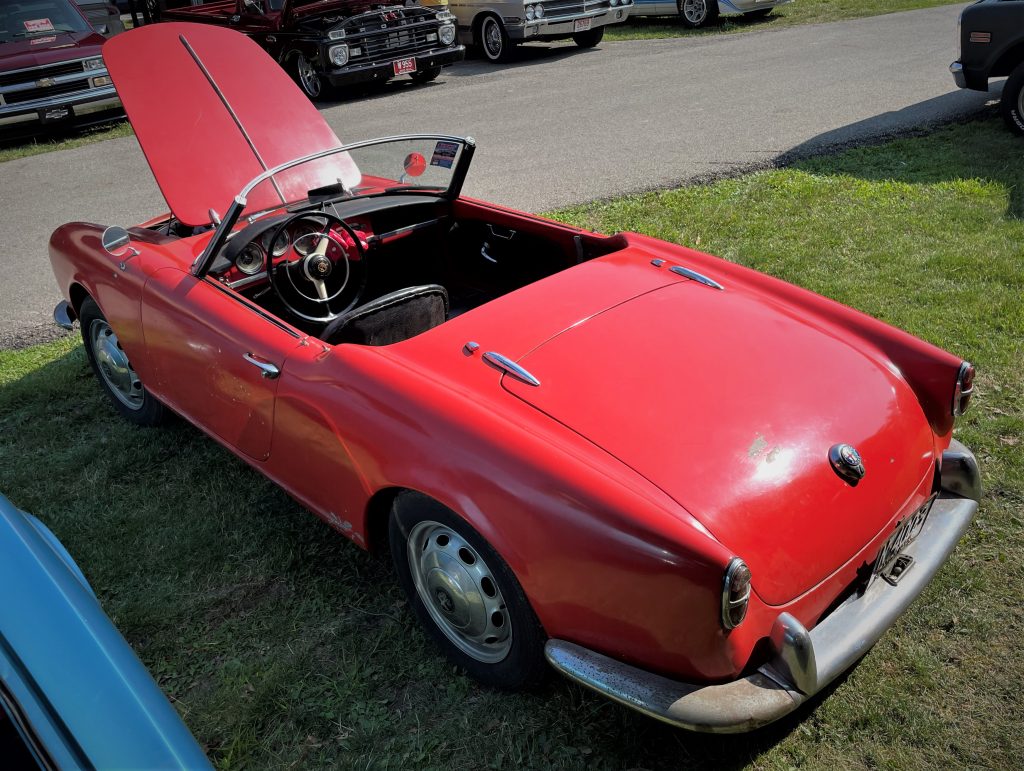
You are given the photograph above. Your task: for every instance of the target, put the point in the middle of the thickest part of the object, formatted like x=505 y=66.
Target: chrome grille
x=16 y=97
x=37 y=73
x=399 y=42
x=392 y=33
x=559 y=8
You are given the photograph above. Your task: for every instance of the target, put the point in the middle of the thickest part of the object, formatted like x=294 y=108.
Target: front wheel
x=464 y=594
x=312 y=83
x=588 y=39
x=1012 y=103
x=493 y=40
x=425 y=75
x=116 y=375
x=697 y=13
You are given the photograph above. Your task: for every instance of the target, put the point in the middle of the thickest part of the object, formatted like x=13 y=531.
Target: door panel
x=215 y=357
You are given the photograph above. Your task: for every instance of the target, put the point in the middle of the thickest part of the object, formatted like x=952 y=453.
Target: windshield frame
x=227 y=225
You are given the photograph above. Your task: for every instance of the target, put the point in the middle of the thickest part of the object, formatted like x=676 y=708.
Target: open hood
x=212 y=111
x=730 y=403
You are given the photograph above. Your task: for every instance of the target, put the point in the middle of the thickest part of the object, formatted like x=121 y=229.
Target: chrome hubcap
x=310 y=80
x=492 y=38
x=695 y=10
x=459 y=592
x=114 y=367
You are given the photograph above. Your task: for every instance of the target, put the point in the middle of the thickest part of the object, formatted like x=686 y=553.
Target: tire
x=697 y=13
x=308 y=79
x=425 y=76
x=493 y=41
x=115 y=373
x=760 y=13
x=1012 y=103
x=588 y=39
x=464 y=595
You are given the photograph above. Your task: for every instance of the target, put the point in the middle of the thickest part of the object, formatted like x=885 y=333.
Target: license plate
x=405 y=66
x=581 y=25
x=906 y=531
x=54 y=114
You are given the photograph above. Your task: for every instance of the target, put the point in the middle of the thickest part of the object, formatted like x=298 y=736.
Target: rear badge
x=846 y=462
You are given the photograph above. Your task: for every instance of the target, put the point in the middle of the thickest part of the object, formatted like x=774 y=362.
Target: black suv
x=991 y=40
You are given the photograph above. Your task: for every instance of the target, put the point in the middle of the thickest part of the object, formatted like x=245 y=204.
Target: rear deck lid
x=212 y=111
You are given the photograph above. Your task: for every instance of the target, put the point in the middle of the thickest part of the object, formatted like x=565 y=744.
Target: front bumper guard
x=805 y=662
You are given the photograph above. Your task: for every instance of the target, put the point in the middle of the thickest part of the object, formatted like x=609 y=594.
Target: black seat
x=391 y=318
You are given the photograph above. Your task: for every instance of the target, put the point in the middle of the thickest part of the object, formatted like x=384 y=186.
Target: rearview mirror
x=116 y=241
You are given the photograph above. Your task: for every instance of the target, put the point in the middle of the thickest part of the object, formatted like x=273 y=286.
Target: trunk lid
x=730 y=402
x=212 y=111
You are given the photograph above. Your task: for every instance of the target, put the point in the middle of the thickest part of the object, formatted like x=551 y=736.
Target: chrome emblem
x=45 y=82
x=444 y=601
x=846 y=462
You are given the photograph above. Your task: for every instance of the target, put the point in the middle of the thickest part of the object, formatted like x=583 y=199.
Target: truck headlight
x=96 y=63
x=338 y=55
x=735 y=593
x=446 y=32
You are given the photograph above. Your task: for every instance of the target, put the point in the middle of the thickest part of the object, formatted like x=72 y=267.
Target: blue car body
x=73 y=688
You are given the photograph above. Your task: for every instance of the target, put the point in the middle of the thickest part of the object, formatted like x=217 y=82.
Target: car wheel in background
x=493 y=40
x=465 y=595
x=588 y=39
x=426 y=75
x=115 y=373
x=697 y=13
x=309 y=80
x=1012 y=102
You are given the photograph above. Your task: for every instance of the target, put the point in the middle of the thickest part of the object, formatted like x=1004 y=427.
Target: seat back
x=392 y=318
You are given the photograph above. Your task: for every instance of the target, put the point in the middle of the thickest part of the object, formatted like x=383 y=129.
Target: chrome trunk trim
x=509 y=367
x=693 y=275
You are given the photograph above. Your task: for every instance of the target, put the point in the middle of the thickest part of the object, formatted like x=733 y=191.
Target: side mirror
x=253 y=6
x=117 y=243
x=415 y=164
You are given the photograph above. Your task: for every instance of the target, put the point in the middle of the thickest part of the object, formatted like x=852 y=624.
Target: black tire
x=1012 y=103
x=697 y=13
x=134 y=402
x=305 y=74
x=760 y=13
x=513 y=662
x=493 y=41
x=426 y=75
x=590 y=38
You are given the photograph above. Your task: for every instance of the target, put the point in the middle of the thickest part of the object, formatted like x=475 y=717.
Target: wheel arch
x=77 y=294
x=1008 y=60
x=478 y=23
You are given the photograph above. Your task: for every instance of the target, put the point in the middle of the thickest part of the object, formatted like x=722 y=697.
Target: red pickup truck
x=325 y=44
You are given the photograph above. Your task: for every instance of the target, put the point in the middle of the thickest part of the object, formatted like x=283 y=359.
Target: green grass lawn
x=797 y=12
x=283 y=645
x=10 y=151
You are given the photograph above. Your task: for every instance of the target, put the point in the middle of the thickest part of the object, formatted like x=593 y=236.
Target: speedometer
x=279 y=247
x=251 y=260
x=302 y=237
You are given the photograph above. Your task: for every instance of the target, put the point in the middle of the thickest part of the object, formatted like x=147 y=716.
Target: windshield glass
x=35 y=18
x=395 y=165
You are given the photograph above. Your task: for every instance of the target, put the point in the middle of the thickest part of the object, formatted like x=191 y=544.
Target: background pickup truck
x=325 y=44
x=991 y=39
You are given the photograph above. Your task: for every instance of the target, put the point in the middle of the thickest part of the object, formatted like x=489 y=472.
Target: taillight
x=964 y=389
x=735 y=593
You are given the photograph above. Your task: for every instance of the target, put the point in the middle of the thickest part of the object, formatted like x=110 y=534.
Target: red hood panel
x=730 y=404
x=211 y=111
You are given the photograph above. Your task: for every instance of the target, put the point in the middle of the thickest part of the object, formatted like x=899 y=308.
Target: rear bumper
x=355 y=74
x=804 y=662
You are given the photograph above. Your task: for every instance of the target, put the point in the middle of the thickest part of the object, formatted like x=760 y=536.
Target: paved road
x=559 y=126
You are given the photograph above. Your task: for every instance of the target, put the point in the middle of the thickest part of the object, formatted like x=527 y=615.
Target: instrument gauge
x=279 y=247
x=251 y=260
x=303 y=237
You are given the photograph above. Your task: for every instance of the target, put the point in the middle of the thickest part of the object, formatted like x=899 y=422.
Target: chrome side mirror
x=117 y=243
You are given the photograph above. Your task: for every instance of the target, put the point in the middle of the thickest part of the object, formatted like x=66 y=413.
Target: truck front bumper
x=804 y=662
x=968 y=77
x=81 y=108
x=356 y=72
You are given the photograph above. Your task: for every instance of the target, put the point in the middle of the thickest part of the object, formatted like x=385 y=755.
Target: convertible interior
x=381 y=269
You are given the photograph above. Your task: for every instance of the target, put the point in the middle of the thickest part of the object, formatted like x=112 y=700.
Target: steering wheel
x=307 y=275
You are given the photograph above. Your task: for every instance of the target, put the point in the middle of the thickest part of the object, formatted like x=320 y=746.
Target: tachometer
x=251 y=260
x=279 y=247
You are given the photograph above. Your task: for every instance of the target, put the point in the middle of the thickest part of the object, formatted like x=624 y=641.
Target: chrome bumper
x=80 y=103
x=519 y=29
x=63 y=315
x=957 y=70
x=805 y=662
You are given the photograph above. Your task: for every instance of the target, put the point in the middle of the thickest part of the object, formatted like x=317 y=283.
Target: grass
x=283 y=645
x=797 y=12
x=13 y=149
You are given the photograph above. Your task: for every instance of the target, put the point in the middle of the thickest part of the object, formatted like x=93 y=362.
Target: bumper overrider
x=518 y=28
x=805 y=661
x=355 y=72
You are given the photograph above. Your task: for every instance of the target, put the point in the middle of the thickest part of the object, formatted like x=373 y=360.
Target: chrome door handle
x=268 y=370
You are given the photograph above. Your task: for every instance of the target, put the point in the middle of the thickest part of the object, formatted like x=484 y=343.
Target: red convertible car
x=696 y=489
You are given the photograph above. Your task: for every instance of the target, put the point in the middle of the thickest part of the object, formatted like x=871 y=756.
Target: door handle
x=267 y=370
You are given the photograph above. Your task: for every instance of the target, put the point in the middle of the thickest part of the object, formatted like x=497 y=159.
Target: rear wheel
x=114 y=371
x=425 y=75
x=588 y=39
x=697 y=13
x=464 y=594
x=1012 y=103
x=493 y=40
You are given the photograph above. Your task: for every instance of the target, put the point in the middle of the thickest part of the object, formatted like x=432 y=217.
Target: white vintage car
x=494 y=27
x=700 y=13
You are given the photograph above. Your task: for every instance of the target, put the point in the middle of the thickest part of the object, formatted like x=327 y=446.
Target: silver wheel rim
x=1020 y=105
x=695 y=11
x=114 y=367
x=459 y=592
x=309 y=79
x=492 y=38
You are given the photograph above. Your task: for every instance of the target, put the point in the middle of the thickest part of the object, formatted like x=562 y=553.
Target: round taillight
x=735 y=593
x=964 y=389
